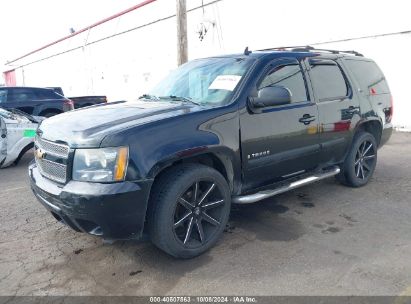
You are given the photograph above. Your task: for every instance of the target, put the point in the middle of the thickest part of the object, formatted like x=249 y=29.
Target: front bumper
x=113 y=211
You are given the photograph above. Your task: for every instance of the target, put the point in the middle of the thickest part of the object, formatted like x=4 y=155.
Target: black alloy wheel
x=365 y=160
x=189 y=209
x=361 y=160
x=198 y=214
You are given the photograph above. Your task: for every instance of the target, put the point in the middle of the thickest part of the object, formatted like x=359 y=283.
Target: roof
x=22 y=87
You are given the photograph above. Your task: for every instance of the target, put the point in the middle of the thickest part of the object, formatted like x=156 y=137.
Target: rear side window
x=289 y=76
x=369 y=76
x=47 y=94
x=21 y=95
x=327 y=79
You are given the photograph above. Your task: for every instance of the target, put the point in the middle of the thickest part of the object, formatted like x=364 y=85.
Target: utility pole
x=182 y=43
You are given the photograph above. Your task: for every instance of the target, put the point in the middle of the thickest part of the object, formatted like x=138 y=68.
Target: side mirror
x=269 y=97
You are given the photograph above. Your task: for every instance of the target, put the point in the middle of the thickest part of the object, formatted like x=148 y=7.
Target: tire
x=360 y=162
x=190 y=207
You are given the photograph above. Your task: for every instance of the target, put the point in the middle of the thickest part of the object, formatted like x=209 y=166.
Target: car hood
x=88 y=127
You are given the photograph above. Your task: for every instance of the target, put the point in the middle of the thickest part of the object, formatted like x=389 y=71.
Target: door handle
x=306 y=119
x=352 y=110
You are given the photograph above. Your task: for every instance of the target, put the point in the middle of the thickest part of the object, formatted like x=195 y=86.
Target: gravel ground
x=322 y=239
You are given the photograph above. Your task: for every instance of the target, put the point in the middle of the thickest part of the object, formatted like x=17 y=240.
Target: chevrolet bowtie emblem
x=40 y=154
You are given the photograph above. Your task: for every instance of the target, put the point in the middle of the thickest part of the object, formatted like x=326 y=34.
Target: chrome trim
x=292 y=174
x=63 y=168
x=96 y=231
x=38 y=142
x=252 y=198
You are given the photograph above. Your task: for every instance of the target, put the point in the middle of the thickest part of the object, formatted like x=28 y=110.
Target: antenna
x=247 y=52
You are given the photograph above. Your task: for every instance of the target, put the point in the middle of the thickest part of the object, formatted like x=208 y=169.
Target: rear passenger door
x=338 y=107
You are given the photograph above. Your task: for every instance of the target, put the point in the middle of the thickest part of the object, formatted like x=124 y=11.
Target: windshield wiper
x=180 y=98
x=149 y=97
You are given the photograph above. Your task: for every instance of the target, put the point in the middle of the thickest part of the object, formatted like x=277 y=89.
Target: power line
x=116 y=34
x=362 y=37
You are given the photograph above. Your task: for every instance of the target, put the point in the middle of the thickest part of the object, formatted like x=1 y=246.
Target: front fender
x=159 y=144
x=222 y=155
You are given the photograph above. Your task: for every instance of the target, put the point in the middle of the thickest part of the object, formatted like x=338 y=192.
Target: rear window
x=368 y=76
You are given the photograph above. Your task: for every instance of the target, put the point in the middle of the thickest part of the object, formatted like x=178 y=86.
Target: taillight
x=68 y=105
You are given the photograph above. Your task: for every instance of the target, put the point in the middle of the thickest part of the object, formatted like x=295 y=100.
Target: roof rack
x=308 y=48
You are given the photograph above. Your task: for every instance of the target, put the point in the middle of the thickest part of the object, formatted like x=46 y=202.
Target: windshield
x=208 y=81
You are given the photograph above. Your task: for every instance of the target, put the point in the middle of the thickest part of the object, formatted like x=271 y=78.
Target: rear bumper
x=386 y=134
x=113 y=211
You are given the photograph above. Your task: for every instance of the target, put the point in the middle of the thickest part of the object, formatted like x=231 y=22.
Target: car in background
x=17 y=132
x=82 y=101
x=34 y=101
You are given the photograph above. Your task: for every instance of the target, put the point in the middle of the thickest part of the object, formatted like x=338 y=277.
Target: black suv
x=230 y=129
x=34 y=101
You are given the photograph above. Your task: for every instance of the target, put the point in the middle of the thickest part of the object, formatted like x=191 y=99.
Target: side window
x=289 y=76
x=3 y=96
x=21 y=95
x=368 y=75
x=327 y=80
x=47 y=94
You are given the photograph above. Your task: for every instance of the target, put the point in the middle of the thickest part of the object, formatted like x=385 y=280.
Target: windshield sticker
x=225 y=82
x=29 y=133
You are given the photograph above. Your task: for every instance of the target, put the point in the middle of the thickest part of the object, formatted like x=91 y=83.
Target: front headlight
x=100 y=165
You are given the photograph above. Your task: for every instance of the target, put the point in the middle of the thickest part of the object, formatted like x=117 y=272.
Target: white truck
x=17 y=131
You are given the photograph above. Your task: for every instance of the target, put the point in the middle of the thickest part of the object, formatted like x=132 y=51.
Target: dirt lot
x=323 y=239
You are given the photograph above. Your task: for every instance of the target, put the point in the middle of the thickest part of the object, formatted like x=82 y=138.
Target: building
x=124 y=55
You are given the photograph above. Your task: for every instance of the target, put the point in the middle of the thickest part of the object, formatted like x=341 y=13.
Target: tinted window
x=289 y=76
x=328 y=80
x=3 y=96
x=47 y=94
x=21 y=95
x=368 y=75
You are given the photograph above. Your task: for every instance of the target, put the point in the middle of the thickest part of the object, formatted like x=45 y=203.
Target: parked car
x=34 y=101
x=221 y=130
x=87 y=101
x=17 y=131
x=82 y=101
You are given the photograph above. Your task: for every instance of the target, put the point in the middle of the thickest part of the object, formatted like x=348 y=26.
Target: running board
x=252 y=198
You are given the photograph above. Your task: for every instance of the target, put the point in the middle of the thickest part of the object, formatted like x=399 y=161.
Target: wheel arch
x=24 y=151
x=373 y=126
x=217 y=160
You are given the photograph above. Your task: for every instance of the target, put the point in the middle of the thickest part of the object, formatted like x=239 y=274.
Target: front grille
x=52 y=168
x=52 y=148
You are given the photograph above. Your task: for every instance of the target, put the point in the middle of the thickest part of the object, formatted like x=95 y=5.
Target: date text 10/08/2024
x=205 y=299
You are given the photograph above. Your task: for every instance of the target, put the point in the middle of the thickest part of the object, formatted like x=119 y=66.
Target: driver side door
x=280 y=141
